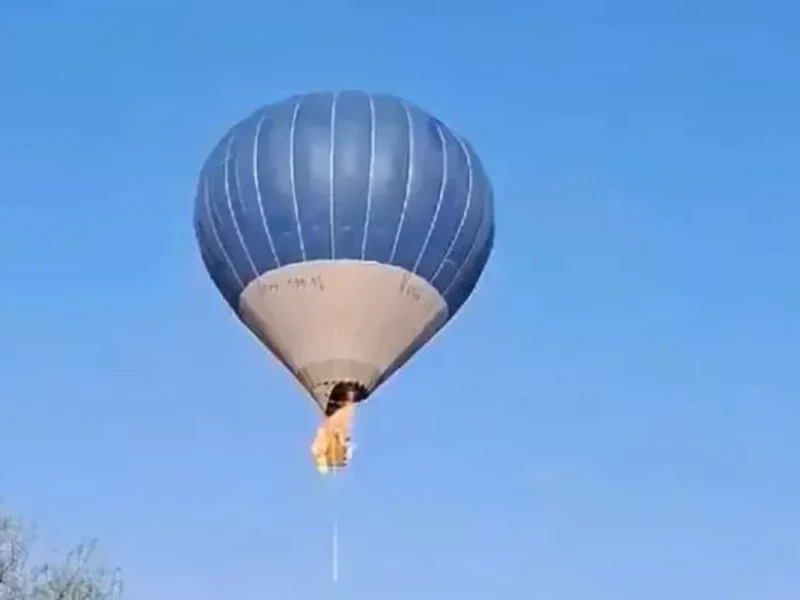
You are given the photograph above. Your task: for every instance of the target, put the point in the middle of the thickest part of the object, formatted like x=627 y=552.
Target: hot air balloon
x=344 y=229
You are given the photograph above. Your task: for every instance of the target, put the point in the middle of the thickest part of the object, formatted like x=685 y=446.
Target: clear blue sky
x=629 y=365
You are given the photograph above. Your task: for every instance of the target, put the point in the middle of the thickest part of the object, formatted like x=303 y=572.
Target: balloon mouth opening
x=345 y=392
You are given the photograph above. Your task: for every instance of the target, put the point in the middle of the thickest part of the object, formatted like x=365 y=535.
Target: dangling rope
x=338 y=479
x=334 y=476
x=335 y=556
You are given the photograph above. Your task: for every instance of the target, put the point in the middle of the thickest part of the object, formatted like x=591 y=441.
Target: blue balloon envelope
x=344 y=229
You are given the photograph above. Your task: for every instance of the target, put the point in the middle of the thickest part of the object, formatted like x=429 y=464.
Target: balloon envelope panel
x=344 y=175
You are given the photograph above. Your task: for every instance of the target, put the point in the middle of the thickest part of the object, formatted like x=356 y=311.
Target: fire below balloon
x=332 y=447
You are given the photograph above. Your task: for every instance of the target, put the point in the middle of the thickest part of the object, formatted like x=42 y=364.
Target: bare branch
x=76 y=577
x=14 y=551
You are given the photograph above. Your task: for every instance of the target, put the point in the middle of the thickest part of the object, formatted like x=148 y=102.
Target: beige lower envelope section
x=332 y=447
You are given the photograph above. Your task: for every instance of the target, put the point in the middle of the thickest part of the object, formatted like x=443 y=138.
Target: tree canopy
x=72 y=576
